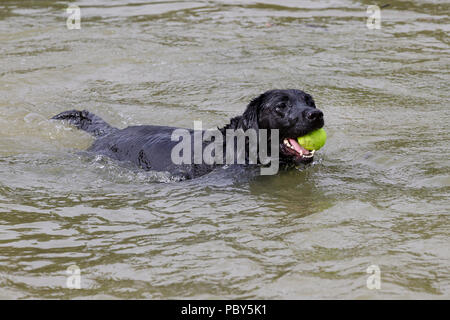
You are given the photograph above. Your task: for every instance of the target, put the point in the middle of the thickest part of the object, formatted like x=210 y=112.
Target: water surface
x=377 y=194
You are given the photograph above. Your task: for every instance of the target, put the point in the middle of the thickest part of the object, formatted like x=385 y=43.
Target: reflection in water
x=377 y=193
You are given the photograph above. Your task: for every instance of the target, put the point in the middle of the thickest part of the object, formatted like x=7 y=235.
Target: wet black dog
x=292 y=112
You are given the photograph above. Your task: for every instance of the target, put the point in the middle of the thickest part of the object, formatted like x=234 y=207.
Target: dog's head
x=293 y=113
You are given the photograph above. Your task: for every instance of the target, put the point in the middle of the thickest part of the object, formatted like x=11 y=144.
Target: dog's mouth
x=290 y=147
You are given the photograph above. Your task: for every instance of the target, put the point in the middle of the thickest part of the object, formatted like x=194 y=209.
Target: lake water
x=377 y=193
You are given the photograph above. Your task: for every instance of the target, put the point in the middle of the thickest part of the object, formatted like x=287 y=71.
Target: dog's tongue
x=298 y=147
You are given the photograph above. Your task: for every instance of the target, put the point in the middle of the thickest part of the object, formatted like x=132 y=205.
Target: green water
x=377 y=194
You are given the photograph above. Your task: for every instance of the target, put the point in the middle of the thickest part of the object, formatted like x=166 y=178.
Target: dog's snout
x=314 y=115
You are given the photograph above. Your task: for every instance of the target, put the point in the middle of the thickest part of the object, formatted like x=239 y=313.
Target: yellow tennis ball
x=313 y=140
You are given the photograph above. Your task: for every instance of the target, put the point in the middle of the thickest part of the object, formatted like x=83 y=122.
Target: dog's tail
x=86 y=121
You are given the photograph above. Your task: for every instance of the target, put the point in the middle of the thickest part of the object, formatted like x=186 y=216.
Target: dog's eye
x=280 y=106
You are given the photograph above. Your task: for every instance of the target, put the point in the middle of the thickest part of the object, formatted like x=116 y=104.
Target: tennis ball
x=313 y=140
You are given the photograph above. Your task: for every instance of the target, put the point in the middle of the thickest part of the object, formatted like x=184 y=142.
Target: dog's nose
x=314 y=115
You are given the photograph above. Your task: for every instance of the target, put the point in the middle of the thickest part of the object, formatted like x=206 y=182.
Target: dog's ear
x=250 y=115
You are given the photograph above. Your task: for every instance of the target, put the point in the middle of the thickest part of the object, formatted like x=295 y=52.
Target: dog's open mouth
x=291 y=147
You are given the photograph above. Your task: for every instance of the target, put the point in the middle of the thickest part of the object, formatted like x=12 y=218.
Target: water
x=377 y=194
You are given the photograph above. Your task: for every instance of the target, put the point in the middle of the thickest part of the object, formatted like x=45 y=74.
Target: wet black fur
x=292 y=112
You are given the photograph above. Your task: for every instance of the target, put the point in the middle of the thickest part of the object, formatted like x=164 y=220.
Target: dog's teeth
x=310 y=154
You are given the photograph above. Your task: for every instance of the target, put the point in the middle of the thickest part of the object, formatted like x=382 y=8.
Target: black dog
x=292 y=112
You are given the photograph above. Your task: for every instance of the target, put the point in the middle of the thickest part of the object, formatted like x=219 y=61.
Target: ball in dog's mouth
x=292 y=147
x=302 y=149
x=314 y=140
